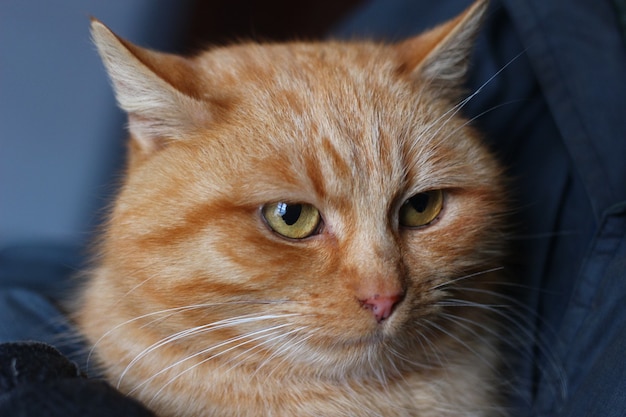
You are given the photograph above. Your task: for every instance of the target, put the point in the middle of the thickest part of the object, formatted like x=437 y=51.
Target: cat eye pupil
x=294 y=221
x=289 y=212
x=421 y=209
x=420 y=202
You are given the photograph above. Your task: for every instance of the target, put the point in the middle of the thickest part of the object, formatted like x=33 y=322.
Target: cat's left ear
x=441 y=55
x=153 y=88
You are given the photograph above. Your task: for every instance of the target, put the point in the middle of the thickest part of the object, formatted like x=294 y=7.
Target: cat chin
x=366 y=370
x=373 y=356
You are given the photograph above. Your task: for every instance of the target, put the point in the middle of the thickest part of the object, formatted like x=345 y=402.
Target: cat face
x=293 y=209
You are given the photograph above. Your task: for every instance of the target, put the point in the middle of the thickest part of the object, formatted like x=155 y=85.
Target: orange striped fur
x=197 y=308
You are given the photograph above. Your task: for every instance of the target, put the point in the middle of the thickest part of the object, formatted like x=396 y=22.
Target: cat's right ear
x=151 y=88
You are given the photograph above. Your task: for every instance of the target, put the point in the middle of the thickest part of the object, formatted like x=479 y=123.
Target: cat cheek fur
x=196 y=307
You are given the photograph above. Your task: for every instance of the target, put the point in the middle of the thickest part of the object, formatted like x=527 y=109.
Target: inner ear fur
x=155 y=90
x=441 y=55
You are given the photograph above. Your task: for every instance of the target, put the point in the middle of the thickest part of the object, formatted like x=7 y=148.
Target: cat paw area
x=544 y=92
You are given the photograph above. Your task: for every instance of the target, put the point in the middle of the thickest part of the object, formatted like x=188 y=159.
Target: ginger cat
x=304 y=229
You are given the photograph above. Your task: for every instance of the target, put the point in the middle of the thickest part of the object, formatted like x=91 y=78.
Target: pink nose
x=381 y=305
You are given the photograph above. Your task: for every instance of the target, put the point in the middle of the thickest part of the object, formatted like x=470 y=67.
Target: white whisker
x=180 y=335
x=143 y=316
x=468 y=276
x=431 y=345
x=280 y=336
x=481 y=114
x=456 y=108
x=203 y=329
x=280 y=351
x=166 y=313
x=204 y=351
x=521 y=331
x=461 y=342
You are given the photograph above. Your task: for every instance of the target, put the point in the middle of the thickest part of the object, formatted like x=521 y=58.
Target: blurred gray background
x=61 y=136
x=60 y=132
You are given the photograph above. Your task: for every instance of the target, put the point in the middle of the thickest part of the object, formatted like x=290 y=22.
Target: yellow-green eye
x=295 y=221
x=421 y=209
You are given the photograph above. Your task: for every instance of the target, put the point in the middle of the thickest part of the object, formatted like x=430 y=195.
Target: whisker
x=177 y=336
x=232 y=322
x=140 y=284
x=227 y=342
x=497 y=73
x=510 y=338
x=433 y=128
x=455 y=302
x=458 y=320
x=516 y=285
x=462 y=343
x=168 y=313
x=481 y=114
x=511 y=302
x=456 y=108
x=127 y=322
x=280 y=336
x=404 y=359
x=280 y=352
x=199 y=353
x=431 y=344
x=547 y=235
x=468 y=276
x=522 y=325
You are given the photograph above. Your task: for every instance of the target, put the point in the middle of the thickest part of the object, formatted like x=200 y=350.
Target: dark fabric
x=42 y=267
x=620 y=6
x=36 y=380
x=34 y=281
x=578 y=55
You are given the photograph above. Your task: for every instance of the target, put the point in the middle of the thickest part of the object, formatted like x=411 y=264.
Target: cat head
x=316 y=199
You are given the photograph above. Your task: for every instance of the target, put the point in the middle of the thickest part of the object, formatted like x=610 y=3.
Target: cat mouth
x=382 y=334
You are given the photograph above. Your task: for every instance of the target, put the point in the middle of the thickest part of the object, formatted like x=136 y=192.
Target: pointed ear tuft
x=159 y=110
x=441 y=55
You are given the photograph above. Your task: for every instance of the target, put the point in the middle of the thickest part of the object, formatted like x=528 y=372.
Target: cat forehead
x=299 y=57
x=324 y=154
x=329 y=119
x=316 y=71
x=298 y=92
x=313 y=115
